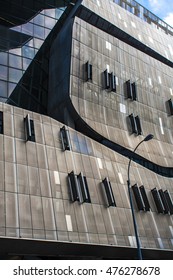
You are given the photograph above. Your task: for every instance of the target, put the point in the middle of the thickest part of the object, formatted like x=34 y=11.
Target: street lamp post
x=147 y=138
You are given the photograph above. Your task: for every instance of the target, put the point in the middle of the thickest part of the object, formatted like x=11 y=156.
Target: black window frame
x=131 y=90
x=158 y=201
x=29 y=129
x=138 y=125
x=88 y=68
x=1 y=122
x=138 y=197
x=79 y=190
x=145 y=198
x=169 y=201
x=133 y=123
x=65 y=138
x=108 y=192
x=109 y=81
x=170 y=103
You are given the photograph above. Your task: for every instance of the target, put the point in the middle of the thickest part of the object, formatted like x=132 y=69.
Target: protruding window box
x=109 y=81
x=164 y=201
x=1 y=123
x=133 y=123
x=29 y=129
x=144 y=197
x=78 y=188
x=88 y=68
x=170 y=103
x=169 y=201
x=131 y=90
x=65 y=138
x=158 y=201
x=138 y=124
x=108 y=192
x=106 y=78
x=138 y=197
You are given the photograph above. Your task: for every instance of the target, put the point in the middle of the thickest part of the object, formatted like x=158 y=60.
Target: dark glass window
x=138 y=197
x=164 y=201
x=144 y=197
x=29 y=129
x=135 y=124
x=138 y=124
x=88 y=71
x=169 y=201
x=131 y=91
x=1 y=123
x=108 y=192
x=170 y=103
x=158 y=201
x=65 y=138
x=78 y=188
x=84 y=188
x=109 y=81
x=112 y=79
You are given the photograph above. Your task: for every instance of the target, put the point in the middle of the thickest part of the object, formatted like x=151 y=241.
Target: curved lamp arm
x=147 y=138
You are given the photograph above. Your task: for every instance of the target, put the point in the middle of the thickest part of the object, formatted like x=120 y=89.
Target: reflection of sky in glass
x=39 y=28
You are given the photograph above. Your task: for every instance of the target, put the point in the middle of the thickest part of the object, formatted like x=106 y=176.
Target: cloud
x=169 y=18
x=156 y=5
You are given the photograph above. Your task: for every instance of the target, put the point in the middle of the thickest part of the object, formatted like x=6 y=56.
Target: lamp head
x=148 y=137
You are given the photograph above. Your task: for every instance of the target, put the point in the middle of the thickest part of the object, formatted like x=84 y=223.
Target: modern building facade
x=82 y=83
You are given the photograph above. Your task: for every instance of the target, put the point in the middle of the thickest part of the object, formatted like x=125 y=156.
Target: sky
x=161 y=8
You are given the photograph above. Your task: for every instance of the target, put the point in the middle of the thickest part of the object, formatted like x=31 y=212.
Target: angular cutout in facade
x=112 y=82
x=29 y=129
x=131 y=90
x=170 y=103
x=73 y=186
x=138 y=125
x=65 y=139
x=158 y=201
x=133 y=123
x=144 y=197
x=84 y=188
x=109 y=81
x=78 y=188
x=134 y=91
x=106 y=79
x=138 y=197
x=109 y=192
x=1 y=123
x=88 y=71
x=164 y=201
x=169 y=201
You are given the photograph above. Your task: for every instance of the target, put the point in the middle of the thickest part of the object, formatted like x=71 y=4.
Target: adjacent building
x=81 y=84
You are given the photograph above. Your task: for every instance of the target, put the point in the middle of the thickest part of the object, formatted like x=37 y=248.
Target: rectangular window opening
x=79 y=190
x=131 y=90
x=138 y=125
x=65 y=138
x=158 y=201
x=88 y=71
x=109 y=192
x=169 y=201
x=1 y=123
x=170 y=103
x=133 y=124
x=29 y=129
x=138 y=197
x=164 y=201
x=144 y=197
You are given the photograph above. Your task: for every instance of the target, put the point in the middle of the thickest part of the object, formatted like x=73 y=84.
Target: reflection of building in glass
x=83 y=83
x=21 y=44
